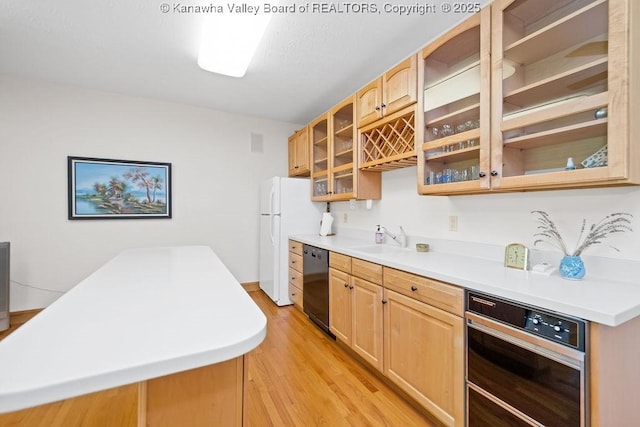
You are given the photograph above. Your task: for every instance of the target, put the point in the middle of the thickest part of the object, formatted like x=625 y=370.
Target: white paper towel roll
x=325 y=224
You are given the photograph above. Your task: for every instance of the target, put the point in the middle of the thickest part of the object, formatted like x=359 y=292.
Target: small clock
x=516 y=255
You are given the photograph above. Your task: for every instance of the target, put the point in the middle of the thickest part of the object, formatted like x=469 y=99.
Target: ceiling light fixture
x=230 y=39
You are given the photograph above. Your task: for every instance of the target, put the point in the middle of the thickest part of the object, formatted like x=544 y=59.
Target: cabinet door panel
x=340 y=305
x=367 y=321
x=302 y=151
x=369 y=101
x=424 y=355
x=400 y=87
x=292 y=155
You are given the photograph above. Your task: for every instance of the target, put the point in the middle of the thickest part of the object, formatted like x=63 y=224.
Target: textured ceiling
x=306 y=62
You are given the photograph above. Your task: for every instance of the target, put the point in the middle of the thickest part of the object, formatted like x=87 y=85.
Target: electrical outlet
x=453 y=223
x=344 y=217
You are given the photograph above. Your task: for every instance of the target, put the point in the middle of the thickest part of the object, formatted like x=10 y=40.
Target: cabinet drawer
x=295 y=247
x=366 y=270
x=295 y=278
x=340 y=262
x=295 y=295
x=438 y=294
x=295 y=261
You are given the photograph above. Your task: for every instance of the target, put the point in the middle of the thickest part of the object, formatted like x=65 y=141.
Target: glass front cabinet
x=335 y=175
x=531 y=95
x=453 y=147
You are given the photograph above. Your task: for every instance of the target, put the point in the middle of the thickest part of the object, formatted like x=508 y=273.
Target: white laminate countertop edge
x=145 y=314
x=609 y=303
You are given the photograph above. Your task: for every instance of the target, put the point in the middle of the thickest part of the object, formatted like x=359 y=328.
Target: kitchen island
x=163 y=330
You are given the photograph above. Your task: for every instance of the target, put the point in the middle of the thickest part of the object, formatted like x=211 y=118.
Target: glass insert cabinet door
x=455 y=147
x=319 y=131
x=333 y=135
x=343 y=134
x=553 y=118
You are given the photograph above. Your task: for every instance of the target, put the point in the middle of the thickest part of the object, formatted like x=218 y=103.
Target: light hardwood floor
x=300 y=377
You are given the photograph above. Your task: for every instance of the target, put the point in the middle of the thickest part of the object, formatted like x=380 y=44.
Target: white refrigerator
x=285 y=208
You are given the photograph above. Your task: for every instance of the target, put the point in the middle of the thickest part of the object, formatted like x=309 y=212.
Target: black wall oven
x=525 y=366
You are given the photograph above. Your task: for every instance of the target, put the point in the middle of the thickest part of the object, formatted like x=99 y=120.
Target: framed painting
x=118 y=189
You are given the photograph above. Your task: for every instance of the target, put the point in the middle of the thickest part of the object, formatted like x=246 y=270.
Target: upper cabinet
x=552 y=110
x=299 y=153
x=561 y=84
x=335 y=175
x=387 y=119
x=453 y=141
x=389 y=93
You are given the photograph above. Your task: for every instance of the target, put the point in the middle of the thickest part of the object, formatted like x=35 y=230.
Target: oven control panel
x=555 y=328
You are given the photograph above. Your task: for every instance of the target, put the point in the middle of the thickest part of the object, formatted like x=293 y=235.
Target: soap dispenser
x=379 y=234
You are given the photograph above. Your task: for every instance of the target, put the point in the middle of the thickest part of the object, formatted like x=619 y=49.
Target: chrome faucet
x=400 y=238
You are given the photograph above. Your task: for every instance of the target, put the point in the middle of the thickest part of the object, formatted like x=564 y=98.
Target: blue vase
x=572 y=268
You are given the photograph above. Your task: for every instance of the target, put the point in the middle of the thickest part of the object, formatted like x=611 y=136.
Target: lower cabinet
x=295 y=273
x=408 y=327
x=355 y=309
x=424 y=355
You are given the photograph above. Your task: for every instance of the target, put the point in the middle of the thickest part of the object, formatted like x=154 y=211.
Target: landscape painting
x=118 y=189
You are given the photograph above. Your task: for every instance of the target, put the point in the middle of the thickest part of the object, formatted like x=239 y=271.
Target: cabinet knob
x=351 y=287
x=346 y=285
x=295 y=167
x=384 y=105
x=482 y=174
x=384 y=301
x=414 y=288
x=377 y=108
x=494 y=173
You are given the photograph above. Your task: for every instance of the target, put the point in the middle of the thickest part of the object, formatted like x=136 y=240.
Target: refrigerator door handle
x=273 y=218
x=271 y=197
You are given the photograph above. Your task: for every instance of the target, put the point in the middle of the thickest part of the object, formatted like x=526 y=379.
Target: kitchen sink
x=381 y=249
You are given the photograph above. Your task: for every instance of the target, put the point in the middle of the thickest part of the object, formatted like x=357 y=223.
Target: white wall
x=215 y=184
x=494 y=218
x=215 y=180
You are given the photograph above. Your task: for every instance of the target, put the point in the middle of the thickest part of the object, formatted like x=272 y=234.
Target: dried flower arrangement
x=618 y=222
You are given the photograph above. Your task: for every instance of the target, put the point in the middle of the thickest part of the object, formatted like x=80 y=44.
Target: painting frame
x=118 y=189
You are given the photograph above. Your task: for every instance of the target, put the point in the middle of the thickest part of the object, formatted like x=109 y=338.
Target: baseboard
x=251 y=286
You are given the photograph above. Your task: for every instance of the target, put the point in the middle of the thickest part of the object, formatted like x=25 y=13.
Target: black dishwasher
x=315 y=291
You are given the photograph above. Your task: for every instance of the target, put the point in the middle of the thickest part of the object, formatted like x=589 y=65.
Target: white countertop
x=144 y=314
x=609 y=302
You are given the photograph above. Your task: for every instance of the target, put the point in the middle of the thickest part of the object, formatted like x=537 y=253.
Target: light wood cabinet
x=560 y=90
x=335 y=175
x=568 y=96
x=355 y=307
x=454 y=133
x=411 y=329
x=424 y=355
x=340 y=318
x=394 y=90
x=367 y=327
x=296 y=284
x=299 y=156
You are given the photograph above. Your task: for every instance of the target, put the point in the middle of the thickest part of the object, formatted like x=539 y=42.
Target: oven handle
x=559 y=353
